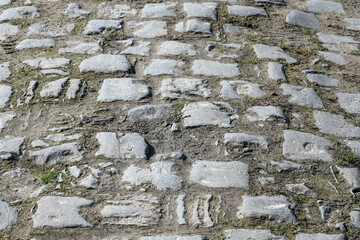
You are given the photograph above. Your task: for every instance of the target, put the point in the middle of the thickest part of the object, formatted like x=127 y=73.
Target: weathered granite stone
x=183 y=88
x=74 y=88
x=39 y=143
x=101 y=26
x=176 y=48
x=148 y=29
x=142 y=49
x=302 y=19
x=305 y=146
x=268 y=113
x=105 y=63
x=46 y=63
x=333 y=57
x=299 y=189
x=65 y=153
x=5 y=70
x=202 y=10
x=19 y=12
x=323 y=80
x=215 y=69
x=320 y=6
x=149 y=112
x=236 y=90
x=246 y=11
x=74 y=11
x=354 y=24
x=276 y=71
x=204 y=113
x=355 y=218
x=9 y=215
x=245 y=140
x=10 y=144
x=132 y=210
x=160 y=174
x=6 y=117
x=251 y=234
x=319 y=236
x=53 y=89
x=116 y=11
x=275 y=209
x=35 y=43
x=60 y=212
x=89 y=182
x=7 y=30
x=220 y=174
x=5 y=93
x=272 y=52
x=306 y=97
x=158 y=10
x=355 y=146
x=122 y=89
x=349 y=102
x=164 y=67
x=81 y=48
x=335 y=125
x=352 y=176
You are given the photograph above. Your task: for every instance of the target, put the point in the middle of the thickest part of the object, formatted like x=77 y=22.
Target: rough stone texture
x=7 y=30
x=352 y=176
x=246 y=11
x=35 y=43
x=321 y=6
x=202 y=10
x=333 y=57
x=275 y=209
x=183 y=88
x=305 y=146
x=299 y=189
x=220 y=174
x=19 y=12
x=276 y=71
x=335 y=125
x=5 y=70
x=53 y=89
x=9 y=215
x=101 y=26
x=285 y=166
x=81 y=48
x=105 y=63
x=115 y=11
x=5 y=118
x=355 y=218
x=215 y=69
x=65 y=153
x=5 y=94
x=354 y=24
x=164 y=67
x=193 y=26
x=11 y=145
x=235 y=90
x=245 y=140
x=123 y=89
x=349 y=102
x=149 y=112
x=251 y=234
x=74 y=11
x=149 y=29
x=46 y=63
x=160 y=10
x=306 y=97
x=319 y=236
x=302 y=19
x=176 y=48
x=269 y=113
x=355 y=146
x=272 y=52
x=60 y=212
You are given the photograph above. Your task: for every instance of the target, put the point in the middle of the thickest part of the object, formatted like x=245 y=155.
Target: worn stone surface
x=101 y=26
x=35 y=43
x=153 y=10
x=354 y=24
x=149 y=112
x=164 y=67
x=203 y=10
x=245 y=140
x=352 y=176
x=246 y=11
x=306 y=97
x=321 y=6
x=184 y=88
x=68 y=152
x=105 y=63
x=276 y=71
x=19 y=12
x=333 y=57
x=272 y=52
x=323 y=80
x=148 y=29
x=303 y=19
x=46 y=63
x=319 y=236
x=251 y=234
x=53 y=89
x=349 y=102
x=176 y=48
x=215 y=69
x=269 y=113
x=9 y=215
x=235 y=90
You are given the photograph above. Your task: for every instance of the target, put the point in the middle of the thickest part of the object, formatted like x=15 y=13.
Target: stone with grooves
x=323 y=80
x=268 y=113
x=272 y=52
x=122 y=89
x=160 y=10
x=335 y=125
x=305 y=146
x=60 y=212
x=184 y=88
x=160 y=174
x=9 y=215
x=220 y=174
x=276 y=209
x=306 y=97
x=164 y=67
x=105 y=63
x=251 y=234
x=276 y=71
x=215 y=69
x=245 y=140
x=148 y=29
x=35 y=43
x=5 y=93
x=319 y=236
x=46 y=63
x=101 y=26
x=236 y=90
x=201 y=10
x=19 y=12
x=65 y=153
x=302 y=19
x=349 y=102
x=246 y=11
x=53 y=89
x=320 y=6
x=176 y=48
x=204 y=113
x=5 y=71
x=150 y=112
x=352 y=176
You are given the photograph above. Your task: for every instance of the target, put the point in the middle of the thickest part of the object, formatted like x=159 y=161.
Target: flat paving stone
x=305 y=146
x=251 y=234
x=355 y=218
x=60 y=212
x=335 y=39
x=333 y=57
x=47 y=63
x=220 y=174
x=276 y=71
x=19 y=12
x=349 y=102
x=237 y=90
x=5 y=118
x=11 y=145
x=245 y=140
x=105 y=63
x=74 y=88
x=193 y=26
x=215 y=69
x=108 y=10
x=196 y=237
x=81 y=48
x=201 y=10
x=150 y=112
x=323 y=80
x=5 y=94
x=306 y=97
x=272 y=52
x=53 y=89
x=122 y=89
x=5 y=71
x=320 y=6
x=285 y=166
x=101 y=26
x=268 y=113
x=4 y=2
x=303 y=19
x=299 y=189
x=273 y=208
x=319 y=236
x=164 y=67
x=158 y=10
x=184 y=88
x=246 y=11
x=203 y=114
x=8 y=30
x=335 y=125
x=109 y=145
x=148 y=29
x=354 y=24
x=89 y=182
x=9 y=215
x=176 y=48
x=161 y=174
x=35 y=43
x=352 y=176
x=142 y=49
